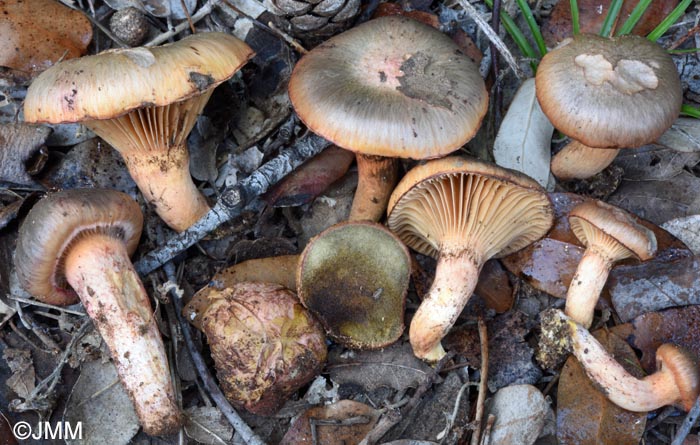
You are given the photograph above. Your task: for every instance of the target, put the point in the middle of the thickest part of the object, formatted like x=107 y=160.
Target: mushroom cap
x=456 y=203
x=55 y=222
x=390 y=87
x=609 y=92
x=354 y=276
x=684 y=369
x=112 y=83
x=612 y=231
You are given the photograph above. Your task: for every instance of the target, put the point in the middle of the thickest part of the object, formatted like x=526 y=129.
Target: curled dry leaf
x=523 y=141
x=683 y=136
x=23 y=376
x=550 y=263
x=311 y=179
x=520 y=412
x=584 y=415
x=343 y=423
x=35 y=34
x=18 y=144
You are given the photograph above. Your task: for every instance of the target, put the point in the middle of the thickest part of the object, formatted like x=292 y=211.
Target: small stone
x=129 y=25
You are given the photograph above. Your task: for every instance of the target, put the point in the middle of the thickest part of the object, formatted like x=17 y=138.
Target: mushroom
x=79 y=242
x=463 y=212
x=389 y=88
x=606 y=93
x=354 y=277
x=144 y=102
x=264 y=343
x=610 y=235
x=675 y=382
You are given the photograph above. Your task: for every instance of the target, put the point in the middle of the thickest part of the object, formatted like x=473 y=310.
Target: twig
x=394 y=416
x=497 y=96
x=483 y=338
x=208 y=381
x=492 y=36
x=688 y=423
x=233 y=201
x=486 y=437
x=204 y=11
x=47 y=306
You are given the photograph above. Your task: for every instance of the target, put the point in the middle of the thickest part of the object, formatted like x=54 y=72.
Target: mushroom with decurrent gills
x=606 y=94
x=388 y=88
x=610 y=235
x=78 y=242
x=462 y=211
x=144 y=102
x=675 y=382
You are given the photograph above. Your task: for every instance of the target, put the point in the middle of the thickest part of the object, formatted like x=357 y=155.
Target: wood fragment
x=483 y=338
x=690 y=421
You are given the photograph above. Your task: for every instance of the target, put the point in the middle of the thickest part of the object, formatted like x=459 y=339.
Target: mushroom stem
x=579 y=161
x=377 y=176
x=622 y=388
x=586 y=286
x=455 y=279
x=100 y=271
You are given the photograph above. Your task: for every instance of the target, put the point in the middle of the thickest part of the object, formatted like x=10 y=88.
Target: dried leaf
x=654 y=162
x=344 y=423
x=393 y=367
x=311 y=179
x=584 y=415
x=6 y=436
x=7 y=214
x=207 y=425
x=101 y=403
x=35 y=34
x=387 y=9
x=18 y=144
x=494 y=287
x=523 y=141
x=159 y=8
x=683 y=136
x=686 y=229
x=20 y=363
x=520 y=412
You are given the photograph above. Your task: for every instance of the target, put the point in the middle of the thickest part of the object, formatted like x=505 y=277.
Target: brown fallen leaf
x=18 y=144
x=6 y=436
x=549 y=264
x=584 y=415
x=343 y=423
x=592 y=14
x=35 y=34
x=311 y=179
x=23 y=377
x=494 y=287
x=385 y=9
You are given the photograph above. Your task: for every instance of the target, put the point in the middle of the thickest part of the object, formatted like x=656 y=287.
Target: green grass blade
x=634 y=17
x=687 y=110
x=683 y=51
x=515 y=33
x=669 y=20
x=609 y=21
x=532 y=24
x=575 y=24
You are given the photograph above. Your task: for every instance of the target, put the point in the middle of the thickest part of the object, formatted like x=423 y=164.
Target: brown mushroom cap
x=612 y=231
x=112 y=83
x=609 y=92
x=354 y=276
x=390 y=87
x=55 y=222
x=458 y=201
x=684 y=369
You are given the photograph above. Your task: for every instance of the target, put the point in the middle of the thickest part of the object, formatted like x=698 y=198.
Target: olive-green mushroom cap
x=611 y=231
x=53 y=225
x=112 y=83
x=354 y=277
x=390 y=87
x=609 y=92
x=461 y=203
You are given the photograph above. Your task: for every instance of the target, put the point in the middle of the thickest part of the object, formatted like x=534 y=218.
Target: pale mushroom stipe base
x=388 y=88
x=464 y=212
x=613 y=93
x=144 y=102
x=78 y=242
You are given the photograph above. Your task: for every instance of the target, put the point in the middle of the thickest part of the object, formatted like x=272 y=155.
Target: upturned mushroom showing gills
x=388 y=88
x=264 y=343
x=354 y=277
x=610 y=235
x=463 y=212
x=79 y=242
x=606 y=94
x=144 y=102
x=675 y=382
